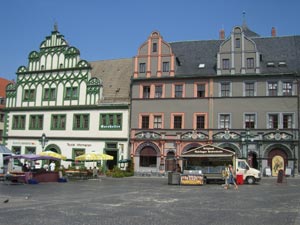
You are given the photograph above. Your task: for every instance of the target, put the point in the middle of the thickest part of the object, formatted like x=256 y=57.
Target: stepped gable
x=115 y=77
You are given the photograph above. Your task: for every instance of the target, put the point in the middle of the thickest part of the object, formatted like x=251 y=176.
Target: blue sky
x=113 y=29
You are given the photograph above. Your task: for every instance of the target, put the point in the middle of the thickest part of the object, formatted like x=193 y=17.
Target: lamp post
x=246 y=139
x=43 y=141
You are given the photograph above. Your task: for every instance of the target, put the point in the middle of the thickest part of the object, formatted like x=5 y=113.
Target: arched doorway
x=277 y=160
x=148 y=157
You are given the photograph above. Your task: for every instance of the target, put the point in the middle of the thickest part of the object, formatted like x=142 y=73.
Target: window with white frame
x=146 y=91
x=225 y=89
x=249 y=88
x=272 y=88
x=224 y=121
x=287 y=121
x=273 y=121
x=158 y=91
x=250 y=120
x=287 y=88
x=157 y=122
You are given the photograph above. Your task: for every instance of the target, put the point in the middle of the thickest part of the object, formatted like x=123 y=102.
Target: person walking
x=230 y=179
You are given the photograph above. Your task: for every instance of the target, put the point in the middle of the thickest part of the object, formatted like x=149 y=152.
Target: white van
x=250 y=175
x=16 y=165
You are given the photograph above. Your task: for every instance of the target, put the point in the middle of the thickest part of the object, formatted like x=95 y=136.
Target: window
x=166 y=67
x=200 y=90
x=145 y=122
x=249 y=88
x=225 y=64
x=81 y=122
x=287 y=121
x=30 y=150
x=148 y=157
x=249 y=120
x=157 y=122
x=142 y=67
x=237 y=43
x=178 y=91
x=158 y=91
x=58 y=122
x=272 y=88
x=287 y=88
x=18 y=122
x=250 y=63
x=200 y=123
x=16 y=150
x=2 y=116
x=49 y=94
x=224 y=121
x=2 y=101
x=154 y=47
x=273 y=121
x=111 y=121
x=36 y=122
x=29 y=95
x=146 y=91
x=71 y=93
x=177 y=122
x=225 y=89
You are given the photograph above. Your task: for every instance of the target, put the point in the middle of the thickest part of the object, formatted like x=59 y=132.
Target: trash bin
x=239 y=179
x=173 y=178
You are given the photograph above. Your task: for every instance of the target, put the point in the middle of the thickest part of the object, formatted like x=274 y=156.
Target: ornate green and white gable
x=55 y=76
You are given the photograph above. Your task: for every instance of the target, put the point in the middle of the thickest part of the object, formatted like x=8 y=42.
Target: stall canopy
x=4 y=150
x=31 y=157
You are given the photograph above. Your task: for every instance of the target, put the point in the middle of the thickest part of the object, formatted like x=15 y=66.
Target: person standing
x=52 y=166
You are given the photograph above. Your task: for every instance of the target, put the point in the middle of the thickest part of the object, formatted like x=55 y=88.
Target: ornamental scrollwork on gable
x=227 y=135
x=194 y=135
x=147 y=135
x=277 y=136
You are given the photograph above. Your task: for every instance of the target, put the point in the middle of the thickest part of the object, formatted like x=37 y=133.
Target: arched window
x=148 y=157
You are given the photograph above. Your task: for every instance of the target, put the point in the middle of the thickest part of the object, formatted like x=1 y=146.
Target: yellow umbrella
x=53 y=154
x=93 y=157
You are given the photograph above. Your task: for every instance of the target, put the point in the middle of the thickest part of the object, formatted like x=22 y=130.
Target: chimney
x=273 y=32
x=222 y=34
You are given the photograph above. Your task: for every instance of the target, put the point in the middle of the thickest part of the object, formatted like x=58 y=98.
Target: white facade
x=57 y=96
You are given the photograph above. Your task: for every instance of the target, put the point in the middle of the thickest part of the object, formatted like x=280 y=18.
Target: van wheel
x=250 y=180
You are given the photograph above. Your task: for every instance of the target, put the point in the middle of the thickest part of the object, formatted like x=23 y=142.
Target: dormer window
x=270 y=64
x=282 y=64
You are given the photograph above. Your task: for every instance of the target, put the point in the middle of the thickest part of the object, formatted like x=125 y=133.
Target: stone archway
x=277 y=160
x=53 y=148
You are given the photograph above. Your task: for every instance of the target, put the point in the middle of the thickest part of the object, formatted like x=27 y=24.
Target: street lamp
x=43 y=140
x=246 y=139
